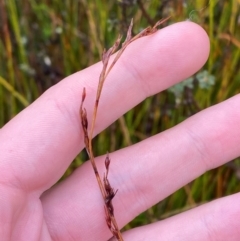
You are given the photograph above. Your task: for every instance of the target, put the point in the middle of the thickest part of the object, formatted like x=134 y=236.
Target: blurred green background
x=41 y=42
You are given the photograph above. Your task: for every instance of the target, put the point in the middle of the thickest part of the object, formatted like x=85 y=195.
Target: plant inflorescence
x=107 y=191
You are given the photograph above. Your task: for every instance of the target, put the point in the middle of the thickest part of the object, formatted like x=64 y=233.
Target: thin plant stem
x=107 y=191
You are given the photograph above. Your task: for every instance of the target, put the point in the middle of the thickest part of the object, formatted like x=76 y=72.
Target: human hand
x=38 y=145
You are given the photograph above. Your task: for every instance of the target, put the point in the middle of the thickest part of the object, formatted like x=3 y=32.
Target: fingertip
x=188 y=50
x=198 y=35
x=194 y=45
x=171 y=55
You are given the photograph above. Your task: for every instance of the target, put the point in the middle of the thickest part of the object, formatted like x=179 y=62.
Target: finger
x=218 y=220
x=145 y=173
x=39 y=144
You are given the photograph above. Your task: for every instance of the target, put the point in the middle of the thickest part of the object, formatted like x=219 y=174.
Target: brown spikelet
x=107 y=191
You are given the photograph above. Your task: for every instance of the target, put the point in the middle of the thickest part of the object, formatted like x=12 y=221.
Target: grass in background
x=41 y=43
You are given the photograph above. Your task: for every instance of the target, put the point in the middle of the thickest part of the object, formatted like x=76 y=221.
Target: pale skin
x=38 y=145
